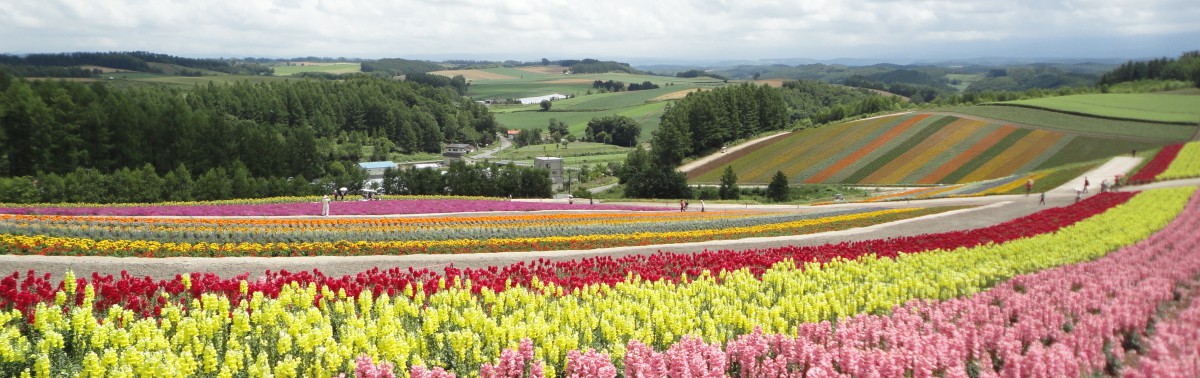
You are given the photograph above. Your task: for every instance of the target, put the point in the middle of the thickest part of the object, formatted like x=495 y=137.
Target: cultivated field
x=1141 y=107
x=1146 y=131
x=922 y=148
x=333 y=68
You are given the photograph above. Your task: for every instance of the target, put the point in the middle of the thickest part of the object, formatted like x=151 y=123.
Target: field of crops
x=1069 y=291
x=918 y=148
x=333 y=68
x=127 y=231
x=647 y=115
x=1140 y=106
x=1133 y=130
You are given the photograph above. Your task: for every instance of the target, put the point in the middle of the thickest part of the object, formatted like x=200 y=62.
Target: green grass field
x=1136 y=106
x=333 y=68
x=575 y=155
x=642 y=106
x=646 y=115
x=1147 y=131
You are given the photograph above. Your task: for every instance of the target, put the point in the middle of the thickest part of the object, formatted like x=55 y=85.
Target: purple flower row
x=385 y=207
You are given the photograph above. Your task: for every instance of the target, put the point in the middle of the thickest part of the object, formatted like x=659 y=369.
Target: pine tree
x=778 y=189
x=729 y=187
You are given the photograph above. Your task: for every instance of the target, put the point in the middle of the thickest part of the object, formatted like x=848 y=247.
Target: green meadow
x=1054 y=120
x=333 y=68
x=574 y=155
x=1127 y=106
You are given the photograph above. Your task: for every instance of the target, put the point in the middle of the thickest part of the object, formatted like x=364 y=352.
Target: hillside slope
x=913 y=149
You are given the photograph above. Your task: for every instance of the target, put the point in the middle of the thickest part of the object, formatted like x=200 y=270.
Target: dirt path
x=990 y=210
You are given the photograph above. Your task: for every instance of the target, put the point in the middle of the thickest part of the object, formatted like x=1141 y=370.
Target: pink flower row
x=387 y=207
x=1175 y=347
x=1064 y=322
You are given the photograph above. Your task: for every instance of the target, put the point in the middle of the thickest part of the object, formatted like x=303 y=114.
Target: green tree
x=777 y=190
x=729 y=188
x=613 y=129
x=545 y=105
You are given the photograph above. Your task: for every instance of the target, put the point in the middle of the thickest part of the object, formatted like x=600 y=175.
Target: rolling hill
x=915 y=149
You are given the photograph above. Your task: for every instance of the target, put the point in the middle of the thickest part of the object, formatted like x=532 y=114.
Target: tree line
x=132 y=61
x=488 y=180
x=1185 y=68
x=397 y=67
x=145 y=185
x=288 y=129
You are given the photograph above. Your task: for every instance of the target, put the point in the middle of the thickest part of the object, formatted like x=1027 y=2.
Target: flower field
x=1186 y=163
x=222 y=237
x=311 y=206
x=1064 y=292
x=921 y=148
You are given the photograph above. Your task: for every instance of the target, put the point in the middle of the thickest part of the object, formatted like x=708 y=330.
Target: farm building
x=538 y=99
x=555 y=166
x=456 y=152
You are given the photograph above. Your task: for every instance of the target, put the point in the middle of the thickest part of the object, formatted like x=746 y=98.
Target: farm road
x=990 y=210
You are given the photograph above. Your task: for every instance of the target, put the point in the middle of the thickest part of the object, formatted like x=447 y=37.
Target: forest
x=488 y=180
x=61 y=64
x=1186 y=68
x=397 y=67
x=299 y=129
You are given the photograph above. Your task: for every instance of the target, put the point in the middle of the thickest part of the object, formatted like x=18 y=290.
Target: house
x=555 y=166
x=513 y=133
x=459 y=147
x=456 y=152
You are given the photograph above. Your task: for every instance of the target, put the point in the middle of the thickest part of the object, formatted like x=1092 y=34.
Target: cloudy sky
x=648 y=30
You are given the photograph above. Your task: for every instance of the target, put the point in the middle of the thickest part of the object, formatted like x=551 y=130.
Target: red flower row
x=143 y=294
x=1156 y=166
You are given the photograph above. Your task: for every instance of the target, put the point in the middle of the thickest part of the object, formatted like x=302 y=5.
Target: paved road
x=991 y=210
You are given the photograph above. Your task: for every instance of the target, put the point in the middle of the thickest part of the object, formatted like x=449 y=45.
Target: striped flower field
x=912 y=149
x=1067 y=291
x=72 y=235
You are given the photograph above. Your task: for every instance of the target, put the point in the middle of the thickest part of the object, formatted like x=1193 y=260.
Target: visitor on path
x=1078 y=194
x=1028 y=187
x=1104 y=186
x=1085 y=185
x=325 y=206
x=701 y=206
x=340 y=194
x=570 y=199
x=1042 y=200
x=682 y=206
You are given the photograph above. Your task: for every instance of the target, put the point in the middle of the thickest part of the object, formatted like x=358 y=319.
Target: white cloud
x=572 y=29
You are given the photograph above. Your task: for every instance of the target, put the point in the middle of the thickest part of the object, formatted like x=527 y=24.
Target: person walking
x=1028 y=187
x=325 y=206
x=681 y=206
x=1042 y=200
x=1085 y=185
x=1078 y=194
x=701 y=205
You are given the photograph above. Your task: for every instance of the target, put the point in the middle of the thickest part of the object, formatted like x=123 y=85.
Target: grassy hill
x=1082 y=124
x=333 y=68
x=1163 y=108
x=644 y=106
x=914 y=149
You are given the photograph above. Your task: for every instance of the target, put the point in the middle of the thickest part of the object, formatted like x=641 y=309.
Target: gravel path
x=990 y=210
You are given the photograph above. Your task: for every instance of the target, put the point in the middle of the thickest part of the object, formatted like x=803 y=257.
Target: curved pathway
x=990 y=210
